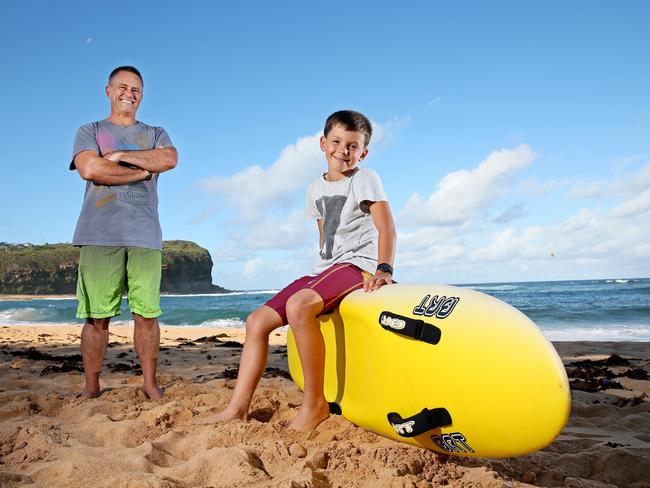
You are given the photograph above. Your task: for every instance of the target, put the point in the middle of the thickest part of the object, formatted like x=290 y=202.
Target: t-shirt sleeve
x=84 y=140
x=162 y=138
x=368 y=188
x=311 y=209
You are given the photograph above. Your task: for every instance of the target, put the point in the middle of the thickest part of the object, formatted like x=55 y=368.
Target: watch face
x=386 y=268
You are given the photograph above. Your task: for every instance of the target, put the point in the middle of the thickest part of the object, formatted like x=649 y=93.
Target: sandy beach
x=51 y=438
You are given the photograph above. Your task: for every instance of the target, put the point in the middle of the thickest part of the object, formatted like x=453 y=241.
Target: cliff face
x=187 y=268
x=52 y=269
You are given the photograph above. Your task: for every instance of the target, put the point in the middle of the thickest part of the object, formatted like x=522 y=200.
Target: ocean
x=581 y=310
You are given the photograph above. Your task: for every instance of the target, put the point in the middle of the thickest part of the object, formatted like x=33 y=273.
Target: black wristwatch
x=385 y=267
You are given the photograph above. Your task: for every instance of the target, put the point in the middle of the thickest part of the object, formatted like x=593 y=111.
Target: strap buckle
x=407 y=326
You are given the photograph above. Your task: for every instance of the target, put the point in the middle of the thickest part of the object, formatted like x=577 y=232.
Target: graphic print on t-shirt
x=330 y=208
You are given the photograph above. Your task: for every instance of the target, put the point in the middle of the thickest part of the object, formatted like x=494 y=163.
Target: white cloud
x=282 y=232
x=427 y=247
x=594 y=189
x=509 y=214
x=542 y=189
x=623 y=162
x=629 y=184
x=588 y=243
x=255 y=188
x=635 y=206
x=461 y=194
x=252 y=266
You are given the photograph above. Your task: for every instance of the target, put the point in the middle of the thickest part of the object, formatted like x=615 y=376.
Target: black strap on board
x=415 y=328
x=419 y=423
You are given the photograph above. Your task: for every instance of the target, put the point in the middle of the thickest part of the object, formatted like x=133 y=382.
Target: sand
x=51 y=438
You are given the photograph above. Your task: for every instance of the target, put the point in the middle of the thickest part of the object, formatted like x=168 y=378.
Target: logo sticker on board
x=392 y=322
x=436 y=306
x=454 y=442
x=404 y=428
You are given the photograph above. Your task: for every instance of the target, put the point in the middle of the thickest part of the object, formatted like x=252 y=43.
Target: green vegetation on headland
x=51 y=269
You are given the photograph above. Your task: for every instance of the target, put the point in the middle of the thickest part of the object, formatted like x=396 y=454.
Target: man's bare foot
x=308 y=419
x=153 y=392
x=221 y=416
x=89 y=393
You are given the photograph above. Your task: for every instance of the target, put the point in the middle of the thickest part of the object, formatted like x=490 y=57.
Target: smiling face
x=125 y=93
x=343 y=150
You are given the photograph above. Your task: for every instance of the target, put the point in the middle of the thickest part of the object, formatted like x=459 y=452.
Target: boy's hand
x=380 y=279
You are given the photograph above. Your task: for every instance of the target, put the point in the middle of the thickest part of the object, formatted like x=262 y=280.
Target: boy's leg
x=144 y=271
x=323 y=293
x=99 y=292
x=259 y=326
x=302 y=310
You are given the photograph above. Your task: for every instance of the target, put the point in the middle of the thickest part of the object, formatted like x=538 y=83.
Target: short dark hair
x=130 y=69
x=350 y=120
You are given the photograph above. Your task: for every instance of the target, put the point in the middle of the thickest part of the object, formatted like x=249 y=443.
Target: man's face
x=125 y=93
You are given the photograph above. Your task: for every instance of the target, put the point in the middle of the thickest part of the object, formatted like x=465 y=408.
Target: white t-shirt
x=349 y=234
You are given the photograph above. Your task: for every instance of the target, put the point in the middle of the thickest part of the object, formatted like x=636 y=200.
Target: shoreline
x=238 y=333
x=63 y=332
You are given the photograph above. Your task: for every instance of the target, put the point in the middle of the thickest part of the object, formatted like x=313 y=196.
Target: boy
x=356 y=232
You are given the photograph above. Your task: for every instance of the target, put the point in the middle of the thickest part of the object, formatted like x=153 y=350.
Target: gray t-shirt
x=121 y=215
x=349 y=234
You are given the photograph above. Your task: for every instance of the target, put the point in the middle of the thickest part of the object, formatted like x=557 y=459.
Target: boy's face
x=343 y=150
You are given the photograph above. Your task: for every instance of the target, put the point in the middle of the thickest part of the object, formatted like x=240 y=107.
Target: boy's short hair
x=350 y=120
x=130 y=69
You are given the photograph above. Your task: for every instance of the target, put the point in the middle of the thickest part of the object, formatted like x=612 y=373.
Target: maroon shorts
x=332 y=285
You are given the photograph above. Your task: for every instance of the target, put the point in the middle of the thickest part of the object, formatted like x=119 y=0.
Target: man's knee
x=145 y=322
x=305 y=303
x=99 y=325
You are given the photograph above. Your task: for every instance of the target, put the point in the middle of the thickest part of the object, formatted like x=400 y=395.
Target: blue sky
x=512 y=136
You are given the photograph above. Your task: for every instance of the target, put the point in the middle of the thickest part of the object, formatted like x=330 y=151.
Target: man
x=118 y=229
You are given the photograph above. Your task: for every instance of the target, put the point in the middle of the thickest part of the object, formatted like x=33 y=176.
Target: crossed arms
x=107 y=170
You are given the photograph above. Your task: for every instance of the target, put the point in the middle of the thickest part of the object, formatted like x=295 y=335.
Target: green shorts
x=105 y=272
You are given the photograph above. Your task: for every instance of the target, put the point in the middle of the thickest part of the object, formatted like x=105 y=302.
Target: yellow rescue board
x=475 y=373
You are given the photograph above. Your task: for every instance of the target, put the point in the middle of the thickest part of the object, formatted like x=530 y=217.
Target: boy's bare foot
x=221 y=416
x=310 y=418
x=153 y=392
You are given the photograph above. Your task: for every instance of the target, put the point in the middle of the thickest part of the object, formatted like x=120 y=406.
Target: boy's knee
x=302 y=305
x=255 y=325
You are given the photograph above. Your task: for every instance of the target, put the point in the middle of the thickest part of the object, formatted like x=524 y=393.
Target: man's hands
x=106 y=170
x=114 y=156
x=156 y=160
x=117 y=156
x=380 y=279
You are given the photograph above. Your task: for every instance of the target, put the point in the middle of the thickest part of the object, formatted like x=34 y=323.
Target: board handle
x=415 y=328
x=420 y=422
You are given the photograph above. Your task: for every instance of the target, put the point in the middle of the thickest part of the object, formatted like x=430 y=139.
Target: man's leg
x=144 y=271
x=94 y=339
x=99 y=292
x=259 y=326
x=147 y=344
x=302 y=310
